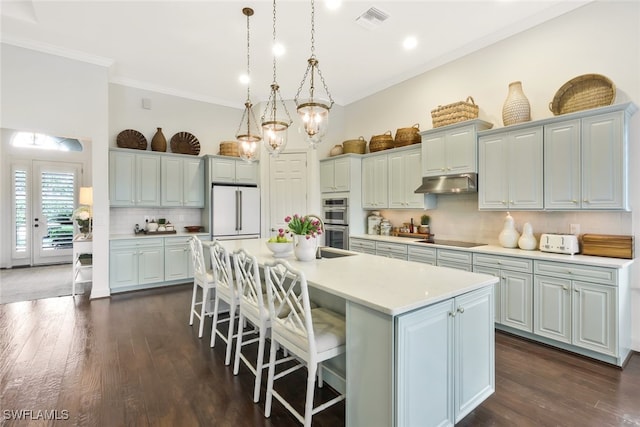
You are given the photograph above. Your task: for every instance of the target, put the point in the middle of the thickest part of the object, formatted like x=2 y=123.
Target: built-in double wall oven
x=335 y=214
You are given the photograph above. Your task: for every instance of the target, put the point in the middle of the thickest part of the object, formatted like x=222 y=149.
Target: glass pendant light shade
x=274 y=135
x=314 y=116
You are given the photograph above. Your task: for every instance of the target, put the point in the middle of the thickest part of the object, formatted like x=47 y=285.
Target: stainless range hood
x=449 y=184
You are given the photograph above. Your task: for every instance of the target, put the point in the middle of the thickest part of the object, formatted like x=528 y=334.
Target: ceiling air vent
x=372 y=18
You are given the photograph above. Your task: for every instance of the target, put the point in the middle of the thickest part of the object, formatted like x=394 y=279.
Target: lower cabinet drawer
x=587 y=273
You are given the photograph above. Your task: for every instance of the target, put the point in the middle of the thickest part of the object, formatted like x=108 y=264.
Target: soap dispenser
x=509 y=236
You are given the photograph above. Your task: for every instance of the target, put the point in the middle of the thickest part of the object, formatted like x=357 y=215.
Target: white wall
x=62 y=97
x=601 y=37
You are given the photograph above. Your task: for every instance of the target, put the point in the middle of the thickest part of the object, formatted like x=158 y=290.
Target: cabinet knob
x=448 y=169
x=576 y=290
x=441 y=169
x=574 y=201
x=460 y=310
x=565 y=288
x=452 y=314
x=511 y=201
x=503 y=202
x=585 y=201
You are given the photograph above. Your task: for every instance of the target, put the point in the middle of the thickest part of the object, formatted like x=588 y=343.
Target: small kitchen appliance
x=559 y=243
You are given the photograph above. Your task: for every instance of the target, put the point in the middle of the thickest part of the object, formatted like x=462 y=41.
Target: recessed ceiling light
x=244 y=79
x=333 y=4
x=278 y=49
x=410 y=43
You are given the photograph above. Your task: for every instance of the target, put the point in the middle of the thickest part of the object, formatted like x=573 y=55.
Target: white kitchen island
x=420 y=339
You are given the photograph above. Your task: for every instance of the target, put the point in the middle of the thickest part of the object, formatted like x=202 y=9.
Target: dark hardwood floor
x=133 y=360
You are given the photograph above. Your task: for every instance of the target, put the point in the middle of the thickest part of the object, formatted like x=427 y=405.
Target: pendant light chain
x=248 y=141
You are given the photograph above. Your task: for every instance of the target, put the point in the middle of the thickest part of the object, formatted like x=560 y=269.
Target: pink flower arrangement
x=308 y=225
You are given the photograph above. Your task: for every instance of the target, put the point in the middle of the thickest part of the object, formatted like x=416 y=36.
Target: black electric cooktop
x=452 y=243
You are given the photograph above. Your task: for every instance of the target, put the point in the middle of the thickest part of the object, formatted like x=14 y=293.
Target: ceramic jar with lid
x=385 y=227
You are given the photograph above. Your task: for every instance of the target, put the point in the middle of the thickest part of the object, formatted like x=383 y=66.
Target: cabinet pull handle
x=460 y=310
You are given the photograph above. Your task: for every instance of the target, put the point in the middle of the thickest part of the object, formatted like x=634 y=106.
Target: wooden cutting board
x=607 y=245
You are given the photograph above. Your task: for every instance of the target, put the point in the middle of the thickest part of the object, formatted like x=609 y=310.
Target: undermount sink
x=327 y=252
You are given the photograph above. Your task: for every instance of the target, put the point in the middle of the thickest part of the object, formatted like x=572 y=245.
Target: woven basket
x=583 y=92
x=408 y=136
x=453 y=113
x=381 y=142
x=229 y=148
x=355 y=146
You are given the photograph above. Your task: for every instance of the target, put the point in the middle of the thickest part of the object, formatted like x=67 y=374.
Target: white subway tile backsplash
x=457 y=218
x=123 y=220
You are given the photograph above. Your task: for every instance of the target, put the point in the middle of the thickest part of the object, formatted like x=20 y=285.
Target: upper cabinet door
x=327 y=176
x=562 y=166
x=193 y=183
x=525 y=169
x=604 y=183
x=147 y=180
x=413 y=178
x=246 y=173
x=461 y=151
x=341 y=174
x=122 y=179
x=172 y=181
x=493 y=192
x=223 y=169
x=434 y=161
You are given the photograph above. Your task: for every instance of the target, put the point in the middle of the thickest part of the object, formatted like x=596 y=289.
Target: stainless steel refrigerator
x=235 y=212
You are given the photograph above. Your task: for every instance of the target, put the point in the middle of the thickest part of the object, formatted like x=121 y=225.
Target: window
x=45 y=142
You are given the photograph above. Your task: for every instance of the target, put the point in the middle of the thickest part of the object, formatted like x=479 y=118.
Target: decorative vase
x=527 y=241
x=516 y=108
x=336 y=150
x=305 y=247
x=159 y=142
x=509 y=236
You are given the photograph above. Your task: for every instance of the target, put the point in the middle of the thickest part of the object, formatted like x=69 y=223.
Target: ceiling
x=197 y=49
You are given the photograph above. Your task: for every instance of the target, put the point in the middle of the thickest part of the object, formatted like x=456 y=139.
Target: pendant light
x=274 y=127
x=313 y=111
x=248 y=137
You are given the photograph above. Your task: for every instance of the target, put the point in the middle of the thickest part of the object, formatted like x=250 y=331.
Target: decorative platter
x=130 y=138
x=185 y=143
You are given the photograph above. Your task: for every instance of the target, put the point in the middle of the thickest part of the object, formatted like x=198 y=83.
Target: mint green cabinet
x=450 y=347
x=177 y=258
x=182 y=182
x=335 y=175
x=511 y=170
x=578 y=305
x=451 y=150
x=404 y=178
x=135 y=262
x=232 y=170
x=375 y=191
x=585 y=163
x=134 y=179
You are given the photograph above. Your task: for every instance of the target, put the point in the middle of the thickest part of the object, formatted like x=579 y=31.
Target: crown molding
x=58 y=51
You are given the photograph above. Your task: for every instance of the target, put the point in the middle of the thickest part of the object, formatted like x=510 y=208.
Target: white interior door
x=44 y=196
x=287 y=187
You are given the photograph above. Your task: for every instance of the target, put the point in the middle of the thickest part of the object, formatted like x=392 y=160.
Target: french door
x=44 y=196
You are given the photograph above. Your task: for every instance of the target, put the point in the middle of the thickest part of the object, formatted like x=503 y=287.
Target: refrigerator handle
x=240 y=210
x=237 y=208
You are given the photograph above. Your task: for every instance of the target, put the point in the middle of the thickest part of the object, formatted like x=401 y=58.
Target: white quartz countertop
x=387 y=285
x=178 y=233
x=498 y=250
